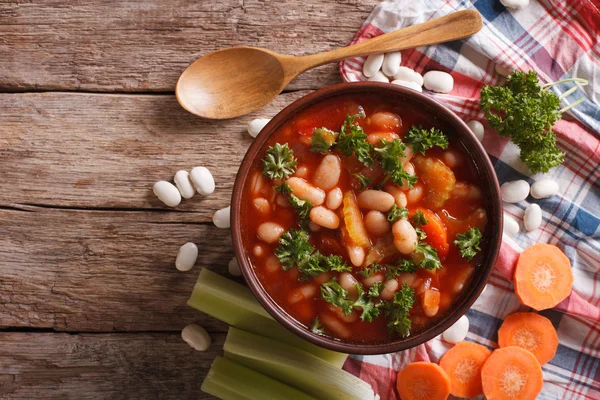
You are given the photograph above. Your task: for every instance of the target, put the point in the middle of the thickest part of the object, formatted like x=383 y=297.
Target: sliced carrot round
x=511 y=373
x=463 y=365
x=532 y=332
x=543 y=277
x=423 y=381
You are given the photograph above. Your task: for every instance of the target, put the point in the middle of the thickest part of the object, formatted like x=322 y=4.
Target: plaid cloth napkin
x=557 y=39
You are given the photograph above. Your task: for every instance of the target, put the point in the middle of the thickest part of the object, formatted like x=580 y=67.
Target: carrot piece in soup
x=511 y=373
x=532 y=332
x=423 y=381
x=438 y=177
x=463 y=365
x=354 y=221
x=543 y=276
x=437 y=235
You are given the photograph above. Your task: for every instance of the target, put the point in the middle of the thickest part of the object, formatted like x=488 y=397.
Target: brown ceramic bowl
x=488 y=183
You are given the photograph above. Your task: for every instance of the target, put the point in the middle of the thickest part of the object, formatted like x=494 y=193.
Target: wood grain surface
x=91 y=305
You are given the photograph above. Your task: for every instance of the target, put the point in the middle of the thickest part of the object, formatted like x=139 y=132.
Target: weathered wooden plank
x=102 y=366
x=103 y=271
x=99 y=150
x=127 y=45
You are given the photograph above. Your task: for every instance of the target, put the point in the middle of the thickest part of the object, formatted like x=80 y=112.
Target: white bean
x=256 y=125
x=348 y=283
x=184 y=185
x=410 y=169
x=532 y=218
x=451 y=158
x=302 y=171
x=399 y=195
x=221 y=218
x=373 y=279
x=324 y=217
x=306 y=191
x=203 y=180
x=269 y=232
x=502 y=70
x=391 y=63
x=376 y=223
x=372 y=64
x=304 y=292
x=314 y=227
x=262 y=205
x=544 y=188
x=389 y=288
x=457 y=332
x=415 y=194
x=196 y=336
x=408 y=154
x=167 y=193
x=379 y=77
x=282 y=201
x=334 y=199
x=477 y=129
x=356 y=254
x=234 y=268
x=272 y=264
x=516 y=4
x=515 y=191
x=510 y=227
x=186 y=257
x=407 y=84
x=438 y=81
x=258 y=250
x=405 y=236
x=408 y=75
x=328 y=172
x=375 y=200
x=335 y=325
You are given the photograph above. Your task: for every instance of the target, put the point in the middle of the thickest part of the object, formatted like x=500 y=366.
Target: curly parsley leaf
x=352 y=140
x=322 y=140
x=317 y=327
x=336 y=295
x=524 y=112
x=421 y=140
x=375 y=289
x=336 y=263
x=370 y=310
x=279 y=162
x=421 y=235
x=371 y=270
x=428 y=257
x=396 y=213
x=294 y=249
x=402 y=266
x=390 y=153
x=302 y=207
x=364 y=181
x=419 y=218
x=397 y=311
x=468 y=243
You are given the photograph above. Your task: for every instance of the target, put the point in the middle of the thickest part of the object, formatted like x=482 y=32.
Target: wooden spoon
x=232 y=82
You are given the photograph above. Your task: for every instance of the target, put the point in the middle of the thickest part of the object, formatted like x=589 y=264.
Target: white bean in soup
x=375 y=200
x=328 y=173
x=306 y=191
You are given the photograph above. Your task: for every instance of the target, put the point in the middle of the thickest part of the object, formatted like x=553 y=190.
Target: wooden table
x=91 y=305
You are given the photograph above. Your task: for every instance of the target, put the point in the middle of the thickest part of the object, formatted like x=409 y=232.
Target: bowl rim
x=482 y=162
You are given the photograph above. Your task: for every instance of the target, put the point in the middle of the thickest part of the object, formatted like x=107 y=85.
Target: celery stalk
x=294 y=367
x=235 y=305
x=228 y=380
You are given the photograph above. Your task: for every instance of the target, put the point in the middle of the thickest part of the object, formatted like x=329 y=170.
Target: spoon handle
x=453 y=26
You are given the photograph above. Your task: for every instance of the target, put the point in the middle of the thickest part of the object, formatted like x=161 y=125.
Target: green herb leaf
x=279 y=162
x=419 y=218
x=468 y=243
x=317 y=327
x=396 y=213
x=364 y=181
x=421 y=140
x=352 y=140
x=371 y=270
x=428 y=257
x=421 y=235
x=336 y=263
x=322 y=140
x=370 y=310
x=302 y=207
x=294 y=249
x=284 y=189
x=375 y=289
x=336 y=295
x=403 y=265
x=390 y=153
x=524 y=112
x=397 y=311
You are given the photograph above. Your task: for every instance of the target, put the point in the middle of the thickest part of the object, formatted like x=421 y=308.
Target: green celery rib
x=228 y=380
x=235 y=305
x=294 y=367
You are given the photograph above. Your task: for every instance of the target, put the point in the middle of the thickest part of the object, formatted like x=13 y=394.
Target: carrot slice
x=423 y=381
x=511 y=373
x=543 y=277
x=532 y=332
x=437 y=235
x=463 y=365
x=354 y=221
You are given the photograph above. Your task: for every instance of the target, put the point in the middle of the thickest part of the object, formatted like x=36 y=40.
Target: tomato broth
x=373 y=239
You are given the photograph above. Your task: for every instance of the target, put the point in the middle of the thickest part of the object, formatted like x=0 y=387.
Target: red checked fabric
x=557 y=39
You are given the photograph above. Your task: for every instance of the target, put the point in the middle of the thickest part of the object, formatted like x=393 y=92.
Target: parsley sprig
x=397 y=311
x=279 y=162
x=302 y=207
x=396 y=213
x=333 y=293
x=322 y=140
x=468 y=243
x=389 y=154
x=421 y=140
x=352 y=140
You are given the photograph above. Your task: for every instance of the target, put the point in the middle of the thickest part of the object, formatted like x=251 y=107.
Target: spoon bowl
x=232 y=82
